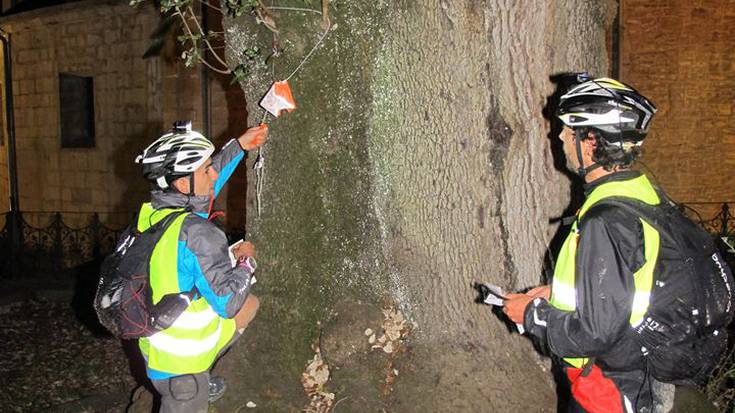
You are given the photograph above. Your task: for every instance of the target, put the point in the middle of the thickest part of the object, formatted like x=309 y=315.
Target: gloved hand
x=248 y=263
x=253 y=137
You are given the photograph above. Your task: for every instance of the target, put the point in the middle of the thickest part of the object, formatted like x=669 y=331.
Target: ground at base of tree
x=52 y=362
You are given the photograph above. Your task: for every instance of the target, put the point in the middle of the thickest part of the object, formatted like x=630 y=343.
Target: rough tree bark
x=417 y=161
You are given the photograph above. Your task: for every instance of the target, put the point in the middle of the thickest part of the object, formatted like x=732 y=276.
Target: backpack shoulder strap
x=651 y=214
x=168 y=220
x=159 y=228
x=654 y=215
x=162 y=225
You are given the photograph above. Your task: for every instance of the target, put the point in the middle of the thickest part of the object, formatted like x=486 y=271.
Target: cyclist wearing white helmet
x=606 y=117
x=176 y=154
x=193 y=254
x=585 y=315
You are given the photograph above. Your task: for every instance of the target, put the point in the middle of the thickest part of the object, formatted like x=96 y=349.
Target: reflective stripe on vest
x=644 y=276
x=563 y=290
x=191 y=344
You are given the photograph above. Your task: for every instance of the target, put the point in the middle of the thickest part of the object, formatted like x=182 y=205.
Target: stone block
x=47 y=116
x=92 y=39
x=100 y=199
x=24 y=87
x=98 y=179
x=24 y=56
x=111 y=36
x=75 y=28
x=45 y=85
x=81 y=196
x=99 y=163
x=21 y=119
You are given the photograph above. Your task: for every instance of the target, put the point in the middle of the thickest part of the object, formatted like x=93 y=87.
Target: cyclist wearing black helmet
x=599 y=289
x=192 y=255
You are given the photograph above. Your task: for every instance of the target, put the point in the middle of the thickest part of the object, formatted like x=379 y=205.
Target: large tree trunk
x=417 y=161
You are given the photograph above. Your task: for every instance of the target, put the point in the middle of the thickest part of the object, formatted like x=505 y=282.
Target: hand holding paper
x=542 y=291
x=494 y=295
x=242 y=249
x=515 y=306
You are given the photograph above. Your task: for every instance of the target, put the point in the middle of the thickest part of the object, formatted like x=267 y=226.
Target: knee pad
x=183 y=388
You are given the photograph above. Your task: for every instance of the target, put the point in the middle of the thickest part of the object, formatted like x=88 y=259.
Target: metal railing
x=51 y=249
x=722 y=224
x=56 y=248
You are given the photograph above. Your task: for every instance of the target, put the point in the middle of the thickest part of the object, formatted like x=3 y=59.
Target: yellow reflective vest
x=193 y=342
x=563 y=289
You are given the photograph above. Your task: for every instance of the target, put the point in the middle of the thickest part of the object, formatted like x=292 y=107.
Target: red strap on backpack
x=593 y=391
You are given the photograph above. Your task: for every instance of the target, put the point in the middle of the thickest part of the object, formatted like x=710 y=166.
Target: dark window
x=76 y=99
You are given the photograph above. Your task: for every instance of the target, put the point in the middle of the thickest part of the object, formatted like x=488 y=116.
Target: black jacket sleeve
x=609 y=251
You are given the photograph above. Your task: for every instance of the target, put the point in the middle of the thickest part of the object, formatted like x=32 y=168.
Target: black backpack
x=124 y=302
x=684 y=331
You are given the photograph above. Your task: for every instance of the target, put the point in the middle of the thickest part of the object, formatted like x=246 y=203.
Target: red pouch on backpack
x=593 y=391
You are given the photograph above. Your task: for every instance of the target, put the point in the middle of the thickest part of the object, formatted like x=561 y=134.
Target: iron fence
x=722 y=224
x=51 y=249
x=54 y=249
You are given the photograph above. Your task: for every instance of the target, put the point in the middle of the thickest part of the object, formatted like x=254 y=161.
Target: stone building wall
x=103 y=40
x=682 y=55
x=135 y=99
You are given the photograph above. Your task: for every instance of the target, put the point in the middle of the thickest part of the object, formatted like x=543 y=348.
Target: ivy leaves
x=242 y=70
x=237 y=8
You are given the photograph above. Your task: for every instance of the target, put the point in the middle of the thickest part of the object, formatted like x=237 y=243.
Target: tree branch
x=222 y=71
x=210 y=5
x=191 y=38
x=294 y=9
x=206 y=41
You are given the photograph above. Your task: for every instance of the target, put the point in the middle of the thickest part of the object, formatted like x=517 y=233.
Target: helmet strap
x=161 y=181
x=582 y=171
x=191 y=185
x=578 y=134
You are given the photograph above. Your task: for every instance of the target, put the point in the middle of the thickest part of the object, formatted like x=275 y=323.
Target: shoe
x=217 y=387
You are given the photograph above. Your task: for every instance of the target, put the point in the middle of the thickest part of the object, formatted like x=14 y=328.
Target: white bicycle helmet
x=175 y=154
x=612 y=108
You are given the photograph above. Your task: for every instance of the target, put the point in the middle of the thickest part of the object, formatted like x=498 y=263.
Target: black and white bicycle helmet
x=617 y=111
x=176 y=154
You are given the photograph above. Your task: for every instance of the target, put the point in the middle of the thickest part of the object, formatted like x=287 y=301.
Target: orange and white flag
x=278 y=99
